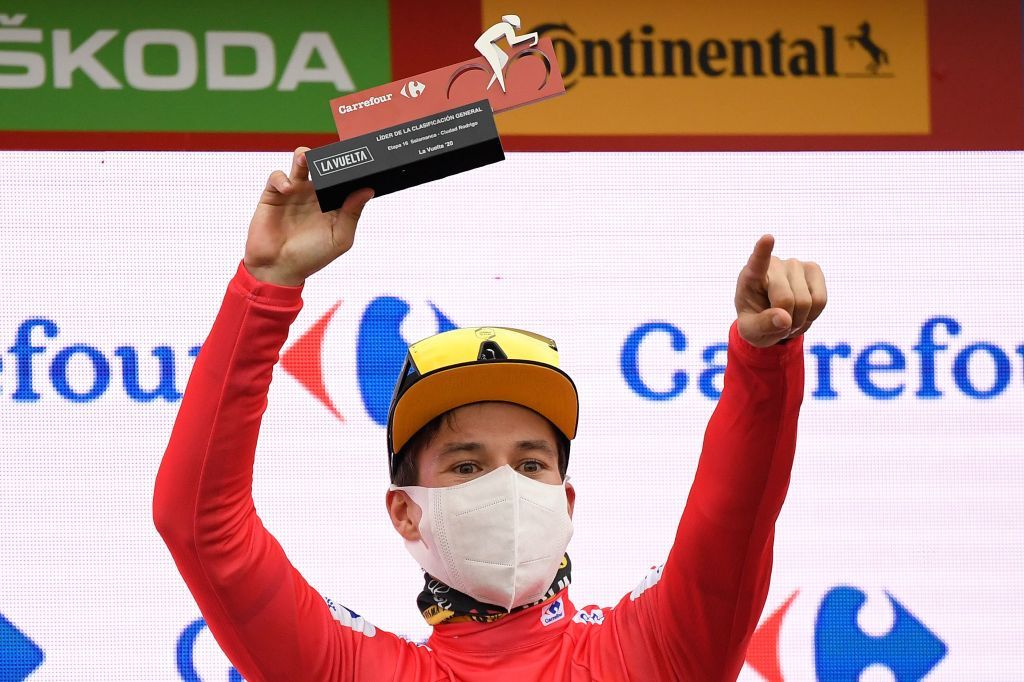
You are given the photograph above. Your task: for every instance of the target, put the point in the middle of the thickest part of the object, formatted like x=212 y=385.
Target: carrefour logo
x=196 y=637
x=658 y=361
x=19 y=655
x=42 y=365
x=906 y=649
x=82 y=372
x=380 y=352
x=881 y=370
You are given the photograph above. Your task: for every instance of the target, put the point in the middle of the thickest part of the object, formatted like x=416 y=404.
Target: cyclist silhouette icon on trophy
x=499 y=61
x=495 y=56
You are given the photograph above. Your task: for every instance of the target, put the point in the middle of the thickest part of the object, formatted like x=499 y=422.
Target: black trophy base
x=406 y=155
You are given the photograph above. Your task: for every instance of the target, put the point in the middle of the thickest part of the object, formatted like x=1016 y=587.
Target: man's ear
x=570 y=494
x=405 y=514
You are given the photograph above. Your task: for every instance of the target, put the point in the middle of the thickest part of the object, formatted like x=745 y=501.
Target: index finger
x=761 y=258
x=300 y=169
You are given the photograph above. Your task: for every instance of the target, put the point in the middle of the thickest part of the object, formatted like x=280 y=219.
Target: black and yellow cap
x=463 y=366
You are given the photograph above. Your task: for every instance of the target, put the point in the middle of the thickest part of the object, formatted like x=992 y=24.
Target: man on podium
x=478 y=445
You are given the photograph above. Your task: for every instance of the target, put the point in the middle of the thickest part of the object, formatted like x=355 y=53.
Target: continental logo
x=792 y=67
x=643 y=53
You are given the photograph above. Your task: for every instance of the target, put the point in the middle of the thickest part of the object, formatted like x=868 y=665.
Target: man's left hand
x=777 y=299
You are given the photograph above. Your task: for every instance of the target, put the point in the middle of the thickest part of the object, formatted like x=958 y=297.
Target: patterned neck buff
x=442 y=604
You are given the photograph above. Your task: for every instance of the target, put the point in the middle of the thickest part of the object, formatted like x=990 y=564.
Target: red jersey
x=691 y=619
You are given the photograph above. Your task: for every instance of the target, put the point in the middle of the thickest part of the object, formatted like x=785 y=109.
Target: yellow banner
x=707 y=67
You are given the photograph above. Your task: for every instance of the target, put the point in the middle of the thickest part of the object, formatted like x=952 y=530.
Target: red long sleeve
x=266 y=618
x=698 y=611
x=723 y=552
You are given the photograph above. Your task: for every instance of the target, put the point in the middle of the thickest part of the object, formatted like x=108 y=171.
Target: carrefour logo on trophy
x=435 y=124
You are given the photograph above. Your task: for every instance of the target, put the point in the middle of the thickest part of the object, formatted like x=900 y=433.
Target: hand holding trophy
x=289 y=237
x=394 y=136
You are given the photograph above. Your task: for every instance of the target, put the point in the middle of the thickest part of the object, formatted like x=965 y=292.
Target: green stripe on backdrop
x=212 y=66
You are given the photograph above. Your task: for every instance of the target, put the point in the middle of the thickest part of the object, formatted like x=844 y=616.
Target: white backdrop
x=109 y=256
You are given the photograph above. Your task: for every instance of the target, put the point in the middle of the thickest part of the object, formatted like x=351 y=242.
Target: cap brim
x=542 y=388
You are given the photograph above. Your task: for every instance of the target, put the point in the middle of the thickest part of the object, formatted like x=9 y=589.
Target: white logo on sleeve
x=350 y=619
x=591 y=616
x=647 y=583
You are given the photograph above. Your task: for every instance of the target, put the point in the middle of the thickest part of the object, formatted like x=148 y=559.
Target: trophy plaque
x=435 y=124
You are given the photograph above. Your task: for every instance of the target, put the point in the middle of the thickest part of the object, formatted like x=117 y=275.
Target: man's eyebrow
x=535 y=445
x=460 y=446
x=456 y=447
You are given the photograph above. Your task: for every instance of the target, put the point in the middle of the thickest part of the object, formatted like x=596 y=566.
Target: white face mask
x=499 y=538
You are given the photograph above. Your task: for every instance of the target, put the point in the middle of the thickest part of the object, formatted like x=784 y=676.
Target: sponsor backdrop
x=699 y=67
x=648 y=74
x=899 y=552
x=191 y=74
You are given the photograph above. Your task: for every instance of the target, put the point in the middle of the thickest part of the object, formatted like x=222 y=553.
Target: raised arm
x=269 y=621
x=719 y=568
x=717 y=575
x=694 y=616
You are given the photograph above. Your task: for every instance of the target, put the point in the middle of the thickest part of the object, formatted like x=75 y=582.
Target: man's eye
x=465 y=468
x=532 y=467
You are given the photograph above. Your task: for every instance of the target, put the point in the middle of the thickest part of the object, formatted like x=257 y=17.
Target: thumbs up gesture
x=777 y=299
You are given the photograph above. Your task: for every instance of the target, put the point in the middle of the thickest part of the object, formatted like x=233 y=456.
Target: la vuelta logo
x=842 y=649
x=380 y=352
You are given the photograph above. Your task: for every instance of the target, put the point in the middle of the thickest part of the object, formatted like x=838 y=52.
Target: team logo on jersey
x=552 y=613
x=590 y=616
x=647 y=583
x=350 y=619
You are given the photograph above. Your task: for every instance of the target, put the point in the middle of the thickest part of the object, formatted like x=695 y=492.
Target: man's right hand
x=289 y=238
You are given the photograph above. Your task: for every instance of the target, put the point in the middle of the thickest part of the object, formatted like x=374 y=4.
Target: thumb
x=766 y=327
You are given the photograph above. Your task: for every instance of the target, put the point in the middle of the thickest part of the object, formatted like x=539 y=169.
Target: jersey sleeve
x=268 y=620
x=691 y=619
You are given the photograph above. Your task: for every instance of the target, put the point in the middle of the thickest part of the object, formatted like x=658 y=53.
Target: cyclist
x=478 y=439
